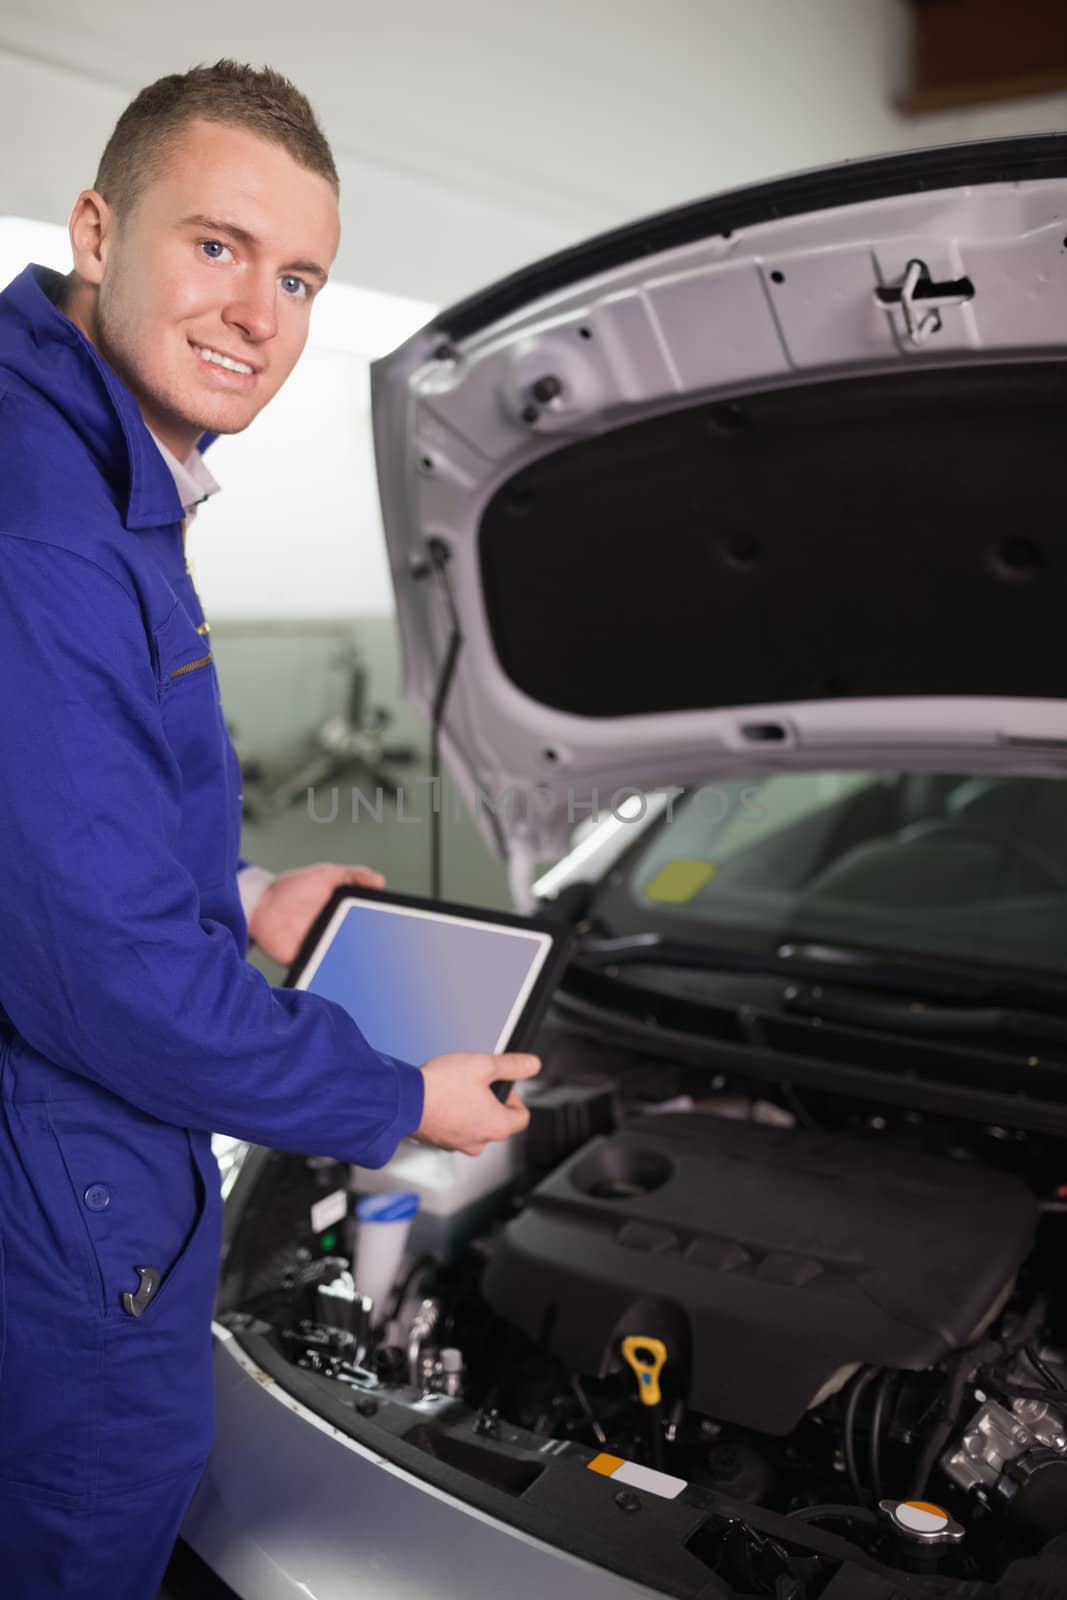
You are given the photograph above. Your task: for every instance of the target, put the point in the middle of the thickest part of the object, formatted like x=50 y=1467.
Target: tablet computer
x=423 y=977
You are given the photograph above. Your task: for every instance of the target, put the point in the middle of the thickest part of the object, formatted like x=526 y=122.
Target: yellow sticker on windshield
x=680 y=880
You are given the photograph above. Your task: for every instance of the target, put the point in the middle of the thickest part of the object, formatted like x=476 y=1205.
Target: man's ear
x=91 y=224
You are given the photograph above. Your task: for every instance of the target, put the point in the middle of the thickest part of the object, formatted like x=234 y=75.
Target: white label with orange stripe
x=636 y=1477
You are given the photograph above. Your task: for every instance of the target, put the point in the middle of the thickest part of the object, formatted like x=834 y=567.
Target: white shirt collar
x=192 y=479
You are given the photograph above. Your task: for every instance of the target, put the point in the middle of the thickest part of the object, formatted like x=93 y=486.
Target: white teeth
x=221 y=361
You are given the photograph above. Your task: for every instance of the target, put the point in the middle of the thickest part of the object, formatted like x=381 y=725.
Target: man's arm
x=108 y=969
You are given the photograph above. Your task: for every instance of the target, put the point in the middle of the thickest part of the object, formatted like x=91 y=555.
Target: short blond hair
x=229 y=92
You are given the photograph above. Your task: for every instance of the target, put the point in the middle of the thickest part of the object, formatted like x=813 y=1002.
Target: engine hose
x=818 y=1541
x=881 y=1396
x=860 y=1384
x=962 y=1368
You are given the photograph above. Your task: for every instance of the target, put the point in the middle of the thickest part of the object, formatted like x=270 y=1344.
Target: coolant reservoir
x=457 y=1193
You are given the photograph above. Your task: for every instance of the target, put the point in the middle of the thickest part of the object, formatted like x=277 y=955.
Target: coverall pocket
x=141 y=1196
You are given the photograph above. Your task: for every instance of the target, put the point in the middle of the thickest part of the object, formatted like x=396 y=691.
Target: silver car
x=730 y=567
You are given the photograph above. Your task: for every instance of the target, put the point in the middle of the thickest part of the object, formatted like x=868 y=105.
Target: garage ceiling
x=588 y=111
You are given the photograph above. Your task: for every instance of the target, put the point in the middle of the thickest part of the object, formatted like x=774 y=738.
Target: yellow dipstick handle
x=647 y=1358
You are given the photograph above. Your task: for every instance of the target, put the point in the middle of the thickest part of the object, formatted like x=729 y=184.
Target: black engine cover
x=767 y=1259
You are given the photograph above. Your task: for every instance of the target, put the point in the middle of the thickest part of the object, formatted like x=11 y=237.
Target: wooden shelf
x=974 y=52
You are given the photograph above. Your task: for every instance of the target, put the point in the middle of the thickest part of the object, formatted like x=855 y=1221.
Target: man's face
x=221 y=256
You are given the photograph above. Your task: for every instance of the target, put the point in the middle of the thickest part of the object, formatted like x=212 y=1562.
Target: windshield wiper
x=881 y=970
x=922 y=1017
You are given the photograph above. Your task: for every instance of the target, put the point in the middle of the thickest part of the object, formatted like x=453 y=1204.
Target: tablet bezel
x=561 y=943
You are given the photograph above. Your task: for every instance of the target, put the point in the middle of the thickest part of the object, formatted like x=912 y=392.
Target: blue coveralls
x=131 y=1025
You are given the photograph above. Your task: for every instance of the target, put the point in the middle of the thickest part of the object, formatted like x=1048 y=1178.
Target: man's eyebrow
x=242 y=235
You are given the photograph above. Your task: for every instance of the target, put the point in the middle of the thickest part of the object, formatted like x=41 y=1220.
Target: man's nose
x=255 y=312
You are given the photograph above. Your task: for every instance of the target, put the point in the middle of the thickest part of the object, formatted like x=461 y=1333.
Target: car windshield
x=956 y=866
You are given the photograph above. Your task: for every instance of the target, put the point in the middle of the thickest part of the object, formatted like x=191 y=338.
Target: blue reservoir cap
x=387 y=1207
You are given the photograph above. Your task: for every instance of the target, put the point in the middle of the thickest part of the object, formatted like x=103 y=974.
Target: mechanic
x=131 y=1025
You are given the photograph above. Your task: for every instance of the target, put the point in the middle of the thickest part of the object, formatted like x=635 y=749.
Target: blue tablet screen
x=419 y=983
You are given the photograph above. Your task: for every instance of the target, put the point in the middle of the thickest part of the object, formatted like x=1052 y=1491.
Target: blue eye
x=299 y=289
x=213 y=248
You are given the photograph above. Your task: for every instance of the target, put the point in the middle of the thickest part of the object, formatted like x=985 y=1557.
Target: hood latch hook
x=918 y=291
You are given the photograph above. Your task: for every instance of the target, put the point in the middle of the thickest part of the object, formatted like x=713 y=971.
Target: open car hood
x=772 y=481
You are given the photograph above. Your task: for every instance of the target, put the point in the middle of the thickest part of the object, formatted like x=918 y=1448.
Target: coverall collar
x=53 y=355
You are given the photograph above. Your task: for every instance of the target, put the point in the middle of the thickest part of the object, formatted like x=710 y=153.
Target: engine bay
x=718 y=1237
x=704 y=1331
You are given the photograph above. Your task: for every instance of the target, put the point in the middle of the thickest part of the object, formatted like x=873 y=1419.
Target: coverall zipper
x=191 y=666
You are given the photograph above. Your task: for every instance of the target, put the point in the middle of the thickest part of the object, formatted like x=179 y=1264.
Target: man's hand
x=460 y=1111
x=289 y=905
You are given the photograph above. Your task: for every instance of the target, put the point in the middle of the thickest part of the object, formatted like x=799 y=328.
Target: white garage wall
x=297 y=530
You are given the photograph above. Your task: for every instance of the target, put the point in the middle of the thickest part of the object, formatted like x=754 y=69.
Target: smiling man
x=131 y=1025
x=196 y=283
